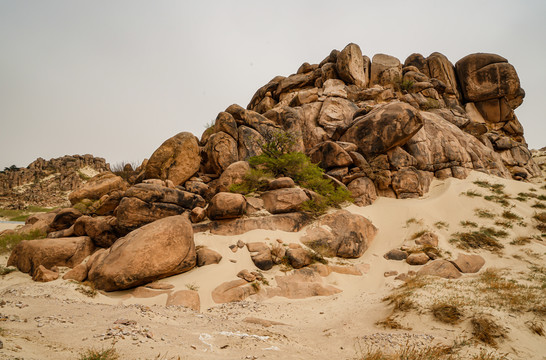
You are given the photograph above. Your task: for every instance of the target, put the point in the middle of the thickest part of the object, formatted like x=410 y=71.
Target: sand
x=55 y=321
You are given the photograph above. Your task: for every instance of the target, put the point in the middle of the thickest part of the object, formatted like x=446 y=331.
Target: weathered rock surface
x=340 y=234
x=231 y=291
x=44 y=275
x=469 y=263
x=186 y=298
x=133 y=213
x=154 y=251
x=384 y=128
x=97 y=186
x=29 y=254
x=290 y=222
x=177 y=159
x=226 y=205
x=206 y=256
x=284 y=200
x=441 y=268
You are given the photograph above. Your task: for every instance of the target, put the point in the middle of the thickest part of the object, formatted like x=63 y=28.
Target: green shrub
x=279 y=159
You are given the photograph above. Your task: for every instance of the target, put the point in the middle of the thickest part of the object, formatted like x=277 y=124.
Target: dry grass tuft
x=446 y=313
x=521 y=240
x=486 y=330
x=484 y=213
x=536 y=327
x=438 y=352
x=93 y=354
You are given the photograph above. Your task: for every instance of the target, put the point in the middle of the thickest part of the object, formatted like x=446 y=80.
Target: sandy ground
x=54 y=321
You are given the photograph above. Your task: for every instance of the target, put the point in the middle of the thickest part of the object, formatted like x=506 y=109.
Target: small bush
x=92 y=354
x=254 y=180
x=6 y=270
x=471 y=193
x=406 y=85
x=484 y=213
x=536 y=327
x=521 y=240
x=430 y=104
x=486 y=330
x=476 y=240
x=88 y=289
x=446 y=313
x=441 y=225
x=8 y=241
x=509 y=215
x=467 y=223
x=538 y=205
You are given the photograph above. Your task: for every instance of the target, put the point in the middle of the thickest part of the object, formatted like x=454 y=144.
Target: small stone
x=233 y=248
x=390 y=273
x=240 y=244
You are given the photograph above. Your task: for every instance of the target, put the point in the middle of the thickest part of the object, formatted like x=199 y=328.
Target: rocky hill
x=377 y=128
x=47 y=182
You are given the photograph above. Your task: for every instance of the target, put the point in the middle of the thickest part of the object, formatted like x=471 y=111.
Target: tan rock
x=250 y=143
x=301 y=284
x=221 y=151
x=469 y=263
x=410 y=183
x=281 y=183
x=263 y=322
x=340 y=234
x=234 y=174
x=284 y=200
x=384 y=128
x=197 y=215
x=396 y=254
x=442 y=69
x=78 y=273
x=231 y=291
x=226 y=205
x=419 y=258
x=97 y=186
x=29 y=254
x=157 y=250
x=336 y=113
x=328 y=154
x=186 y=298
x=133 y=213
x=159 y=285
x=177 y=159
x=427 y=239
x=363 y=191
x=151 y=193
x=440 y=268
x=246 y=275
x=350 y=66
x=44 y=275
x=385 y=69
x=290 y=222
x=299 y=258
x=100 y=229
x=206 y=256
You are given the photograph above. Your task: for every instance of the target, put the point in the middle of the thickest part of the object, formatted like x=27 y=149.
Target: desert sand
x=55 y=321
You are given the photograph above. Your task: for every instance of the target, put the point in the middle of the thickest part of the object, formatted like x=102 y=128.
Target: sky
x=116 y=78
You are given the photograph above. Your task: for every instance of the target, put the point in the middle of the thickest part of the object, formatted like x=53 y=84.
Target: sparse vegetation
x=471 y=193
x=430 y=104
x=521 y=240
x=279 y=159
x=536 y=327
x=192 y=286
x=22 y=215
x=104 y=354
x=446 y=313
x=405 y=85
x=504 y=223
x=538 y=205
x=482 y=239
x=418 y=234
x=484 y=213
x=486 y=330
x=6 y=270
x=126 y=170
x=509 y=215
x=8 y=241
x=441 y=225
x=438 y=352
x=467 y=223
x=88 y=289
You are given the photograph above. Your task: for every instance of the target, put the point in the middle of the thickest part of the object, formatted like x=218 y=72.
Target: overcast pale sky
x=117 y=78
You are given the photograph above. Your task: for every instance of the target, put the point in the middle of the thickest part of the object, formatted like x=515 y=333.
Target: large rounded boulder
x=177 y=159
x=99 y=185
x=154 y=251
x=384 y=128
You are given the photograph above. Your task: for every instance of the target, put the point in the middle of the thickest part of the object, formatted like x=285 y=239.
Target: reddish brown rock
x=44 y=275
x=186 y=298
x=206 y=256
x=152 y=193
x=177 y=159
x=221 y=151
x=154 y=251
x=234 y=174
x=29 y=254
x=100 y=229
x=440 y=268
x=97 y=186
x=284 y=200
x=64 y=219
x=226 y=205
x=246 y=275
x=469 y=263
x=396 y=254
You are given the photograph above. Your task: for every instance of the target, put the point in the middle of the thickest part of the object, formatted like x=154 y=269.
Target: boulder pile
x=377 y=127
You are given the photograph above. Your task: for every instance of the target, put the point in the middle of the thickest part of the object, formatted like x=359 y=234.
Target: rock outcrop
x=47 y=182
